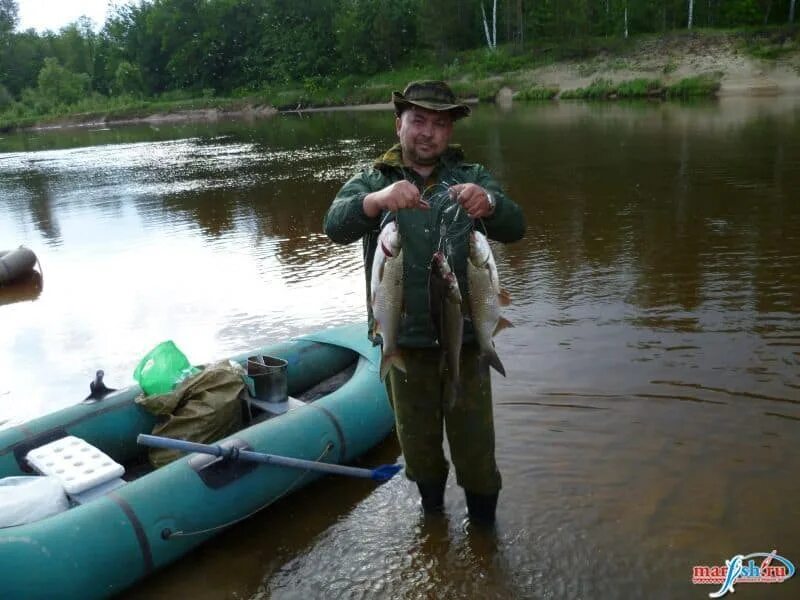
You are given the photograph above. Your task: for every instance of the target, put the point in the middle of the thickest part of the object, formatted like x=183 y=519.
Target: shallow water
x=651 y=417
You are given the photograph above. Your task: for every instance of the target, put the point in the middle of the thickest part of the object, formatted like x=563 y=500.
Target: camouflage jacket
x=420 y=230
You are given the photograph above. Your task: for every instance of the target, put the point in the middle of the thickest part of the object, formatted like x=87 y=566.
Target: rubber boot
x=432 y=495
x=481 y=507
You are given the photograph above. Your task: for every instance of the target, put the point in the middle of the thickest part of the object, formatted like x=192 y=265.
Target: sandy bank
x=671 y=59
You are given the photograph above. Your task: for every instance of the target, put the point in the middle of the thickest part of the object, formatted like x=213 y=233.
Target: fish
x=448 y=319
x=386 y=296
x=485 y=299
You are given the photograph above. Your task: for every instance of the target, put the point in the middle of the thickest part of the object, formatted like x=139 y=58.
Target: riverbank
x=741 y=66
x=675 y=65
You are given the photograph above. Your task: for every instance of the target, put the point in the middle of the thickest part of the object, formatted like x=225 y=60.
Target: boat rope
x=169 y=534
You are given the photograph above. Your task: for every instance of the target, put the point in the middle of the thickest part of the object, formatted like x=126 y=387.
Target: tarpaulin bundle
x=203 y=408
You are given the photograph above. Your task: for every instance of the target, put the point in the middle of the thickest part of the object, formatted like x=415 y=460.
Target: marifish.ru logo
x=743 y=569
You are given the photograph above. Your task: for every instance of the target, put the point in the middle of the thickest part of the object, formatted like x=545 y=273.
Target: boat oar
x=382 y=473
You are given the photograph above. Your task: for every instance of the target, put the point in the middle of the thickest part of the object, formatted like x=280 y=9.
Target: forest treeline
x=205 y=48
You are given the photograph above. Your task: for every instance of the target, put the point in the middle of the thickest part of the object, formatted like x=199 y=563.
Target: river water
x=650 y=420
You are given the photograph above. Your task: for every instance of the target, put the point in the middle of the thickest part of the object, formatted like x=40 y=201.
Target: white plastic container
x=28 y=499
x=76 y=464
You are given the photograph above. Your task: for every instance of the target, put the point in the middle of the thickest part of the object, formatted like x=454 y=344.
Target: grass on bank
x=536 y=93
x=771 y=44
x=695 y=87
x=605 y=89
x=367 y=92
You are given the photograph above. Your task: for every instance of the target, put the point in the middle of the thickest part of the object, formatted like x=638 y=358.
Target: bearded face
x=424 y=135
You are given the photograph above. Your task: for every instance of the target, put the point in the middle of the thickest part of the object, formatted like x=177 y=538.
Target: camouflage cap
x=431 y=95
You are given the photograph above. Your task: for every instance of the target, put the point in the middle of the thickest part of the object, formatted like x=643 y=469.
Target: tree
x=519 y=14
x=491 y=41
x=626 y=20
x=128 y=79
x=5 y=98
x=61 y=85
x=371 y=35
x=73 y=46
x=448 y=25
x=21 y=62
x=9 y=16
x=296 y=39
x=742 y=12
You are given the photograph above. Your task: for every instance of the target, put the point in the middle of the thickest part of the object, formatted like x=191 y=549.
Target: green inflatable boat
x=150 y=518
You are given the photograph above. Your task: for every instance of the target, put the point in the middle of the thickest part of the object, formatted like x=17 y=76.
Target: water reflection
x=651 y=406
x=418 y=560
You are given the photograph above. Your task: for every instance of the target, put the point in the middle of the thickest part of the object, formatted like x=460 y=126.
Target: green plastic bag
x=161 y=368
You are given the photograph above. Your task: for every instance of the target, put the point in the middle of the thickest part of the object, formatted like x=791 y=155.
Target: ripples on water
x=649 y=420
x=191 y=239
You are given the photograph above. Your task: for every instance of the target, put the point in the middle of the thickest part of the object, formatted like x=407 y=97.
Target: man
x=398 y=188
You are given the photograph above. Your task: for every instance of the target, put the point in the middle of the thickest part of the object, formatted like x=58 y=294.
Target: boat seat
x=275 y=408
x=85 y=472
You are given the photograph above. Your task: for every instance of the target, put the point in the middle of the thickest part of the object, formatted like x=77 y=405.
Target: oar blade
x=385 y=472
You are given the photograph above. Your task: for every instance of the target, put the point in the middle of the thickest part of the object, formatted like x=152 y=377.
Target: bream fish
x=448 y=320
x=485 y=299
x=386 y=296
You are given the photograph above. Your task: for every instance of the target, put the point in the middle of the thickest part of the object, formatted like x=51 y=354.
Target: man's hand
x=401 y=194
x=473 y=198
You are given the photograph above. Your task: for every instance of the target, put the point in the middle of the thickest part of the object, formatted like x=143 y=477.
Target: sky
x=55 y=14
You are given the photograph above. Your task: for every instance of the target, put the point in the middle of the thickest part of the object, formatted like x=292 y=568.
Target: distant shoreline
x=659 y=66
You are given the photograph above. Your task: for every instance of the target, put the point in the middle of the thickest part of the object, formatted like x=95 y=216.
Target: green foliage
x=5 y=98
x=12 y=120
x=484 y=90
x=769 y=52
x=741 y=12
x=536 y=93
x=581 y=48
x=485 y=62
x=601 y=89
x=398 y=78
x=128 y=79
x=639 y=88
x=314 y=93
x=9 y=16
x=38 y=104
x=773 y=44
x=341 y=95
x=58 y=85
x=176 y=96
x=312 y=86
x=670 y=67
x=296 y=40
x=447 y=26
x=691 y=87
x=369 y=34
x=74 y=47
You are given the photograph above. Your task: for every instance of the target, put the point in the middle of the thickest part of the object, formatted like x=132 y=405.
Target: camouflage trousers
x=421 y=415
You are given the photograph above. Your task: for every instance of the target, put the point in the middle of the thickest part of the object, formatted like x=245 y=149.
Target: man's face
x=424 y=135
